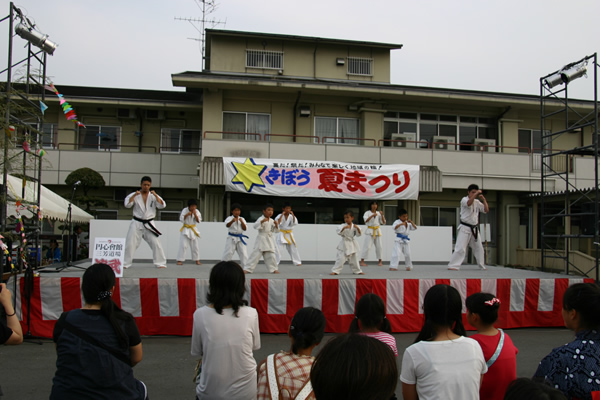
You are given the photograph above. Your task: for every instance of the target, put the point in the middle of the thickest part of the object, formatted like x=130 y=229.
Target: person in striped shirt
x=369 y=320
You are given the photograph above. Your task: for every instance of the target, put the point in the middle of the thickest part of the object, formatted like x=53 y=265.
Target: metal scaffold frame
x=567 y=200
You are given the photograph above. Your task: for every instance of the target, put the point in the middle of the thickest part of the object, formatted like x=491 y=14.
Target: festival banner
x=110 y=251
x=298 y=178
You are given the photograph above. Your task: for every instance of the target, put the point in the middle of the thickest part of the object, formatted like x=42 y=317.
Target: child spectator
x=373 y=219
x=287 y=374
x=442 y=363
x=402 y=227
x=369 y=320
x=285 y=238
x=529 y=389
x=225 y=332
x=354 y=367
x=573 y=368
x=265 y=243
x=348 y=248
x=53 y=255
x=236 y=224
x=189 y=234
x=498 y=349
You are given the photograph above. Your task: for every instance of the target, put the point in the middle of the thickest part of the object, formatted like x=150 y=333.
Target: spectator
x=291 y=370
x=225 y=332
x=97 y=345
x=10 y=327
x=528 y=389
x=498 y=349
x=53 y=255
x=573 y=367
x=370 y=320
x=354 y=367
x=442 y=363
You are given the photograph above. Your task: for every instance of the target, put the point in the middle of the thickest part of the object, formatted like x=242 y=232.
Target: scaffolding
x=564 y=200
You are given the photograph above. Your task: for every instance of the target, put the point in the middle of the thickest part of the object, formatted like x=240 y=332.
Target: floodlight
x=554 y=80
x=36 y=38
x=576 y=71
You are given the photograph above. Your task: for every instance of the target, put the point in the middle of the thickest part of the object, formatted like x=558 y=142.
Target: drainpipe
x=296 y=113
x=507 y=230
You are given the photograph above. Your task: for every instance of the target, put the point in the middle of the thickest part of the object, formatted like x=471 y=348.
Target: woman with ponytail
x=286 y=375
x=442 y=363
x=369 y=320
x=573 y=368
x=97 y=345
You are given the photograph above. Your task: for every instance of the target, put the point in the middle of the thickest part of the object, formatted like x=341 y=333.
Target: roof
x=314 y=39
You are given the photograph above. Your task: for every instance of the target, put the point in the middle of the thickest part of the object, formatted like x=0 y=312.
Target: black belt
x=474 y=229
x=148 y=225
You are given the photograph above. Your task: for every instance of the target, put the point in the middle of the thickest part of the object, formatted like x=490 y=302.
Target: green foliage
x=90 y=179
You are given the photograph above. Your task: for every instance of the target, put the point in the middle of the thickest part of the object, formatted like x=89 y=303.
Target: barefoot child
x=373 y=219
x=348 y=248
x=369 y=320
x=402 y=227
x=265 y=242
x=236 y=225
x=498 y=350
x=189 y=234
x=285 y=238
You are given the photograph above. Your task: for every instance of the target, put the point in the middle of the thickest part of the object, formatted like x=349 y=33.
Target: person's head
x=348 y=216
x=98 y=283
x=525 y=388
x=306 y=329
x=77 y=229
x=268 y=210
x=226 y=286
x=192 y=204
x=581 y=306
x=482 y=309
x=236 y=209
x=473 y=188
x=354 y=367
x=373 y=205
x=370 y=313
x=402 y=214
x=287 y=208
x=146 y=184
x=53 y=243
x=442 y=308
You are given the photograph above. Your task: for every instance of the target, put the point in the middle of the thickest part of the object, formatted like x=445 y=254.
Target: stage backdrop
x=341 y=180
x=315 y=242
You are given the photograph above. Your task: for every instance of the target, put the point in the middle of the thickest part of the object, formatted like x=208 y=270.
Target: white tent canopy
x=51 y=204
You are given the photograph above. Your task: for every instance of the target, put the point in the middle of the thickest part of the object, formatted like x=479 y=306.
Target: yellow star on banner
x=248 y=174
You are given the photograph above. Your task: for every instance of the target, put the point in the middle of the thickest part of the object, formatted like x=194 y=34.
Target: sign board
x=110 y=251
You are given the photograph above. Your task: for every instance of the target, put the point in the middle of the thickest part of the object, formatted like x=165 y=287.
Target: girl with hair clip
x=225 y=333
x=442 y=363
x=97 y=345
x=369 y=320
x=573 y=367
x=498 y=349
x=286 y=375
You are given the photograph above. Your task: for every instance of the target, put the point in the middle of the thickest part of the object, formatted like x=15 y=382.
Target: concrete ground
x=167 y=366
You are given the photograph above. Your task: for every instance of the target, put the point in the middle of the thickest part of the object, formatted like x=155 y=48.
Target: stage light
x=36 y=38
x=576 y=71
x=553 y=80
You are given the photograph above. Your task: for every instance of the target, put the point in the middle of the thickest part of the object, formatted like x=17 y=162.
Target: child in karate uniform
x=285 y=238
x=348 y=247
x=189 y=234
x=402 y=227
x=236 y=226
x=265 y=242
x=373 y=219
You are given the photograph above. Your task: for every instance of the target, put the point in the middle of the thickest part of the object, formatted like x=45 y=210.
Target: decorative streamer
x=66 y=107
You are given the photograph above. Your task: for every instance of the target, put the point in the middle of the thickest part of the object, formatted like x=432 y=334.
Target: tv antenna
x=207 y=7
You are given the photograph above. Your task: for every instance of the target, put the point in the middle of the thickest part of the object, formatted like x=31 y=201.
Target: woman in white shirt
x=442 y=363
x=224 y=335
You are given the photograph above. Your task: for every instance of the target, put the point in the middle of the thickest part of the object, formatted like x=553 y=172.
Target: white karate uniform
x=347 y=249
x=401 y=245
x=285 y=238
x=264 y=246
x=137 y=230
x=464 y=235
x=189 y=236
x=235 y=243
x=372 y=234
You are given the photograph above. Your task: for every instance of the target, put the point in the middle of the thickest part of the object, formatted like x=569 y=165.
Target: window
x=180 y=141
x=360 y=66
x=440 y=216
x=337 y=130
x=100 y=137
x=49 y=135
x=169 y=215
x=530 y=140
x=106 y=214
x=265 y=59
x=241 y=122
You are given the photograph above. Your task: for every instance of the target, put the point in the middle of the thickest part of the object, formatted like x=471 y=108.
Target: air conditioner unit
x=125 y=113
x=444 y=143
x=485 y=142
x=409 y=140
x=158 y=115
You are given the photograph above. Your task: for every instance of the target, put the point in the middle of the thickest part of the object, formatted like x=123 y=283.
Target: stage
x=163 y=300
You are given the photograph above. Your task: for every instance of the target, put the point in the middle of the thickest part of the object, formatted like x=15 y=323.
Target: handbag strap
x=272 y=378
x=305 y=392
x=496 y=354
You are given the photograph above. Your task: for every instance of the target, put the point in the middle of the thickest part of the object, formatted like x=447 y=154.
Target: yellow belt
x=376 y=231
x=289 y=233
x=192 y=227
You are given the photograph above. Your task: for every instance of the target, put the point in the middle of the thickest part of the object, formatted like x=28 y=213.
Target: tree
x=89 y=179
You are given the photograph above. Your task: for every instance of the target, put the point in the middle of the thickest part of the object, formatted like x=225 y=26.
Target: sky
x=489 y=45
